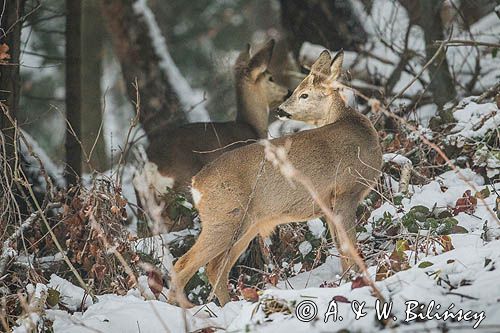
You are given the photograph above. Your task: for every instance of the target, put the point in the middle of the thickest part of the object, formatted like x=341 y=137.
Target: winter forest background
x=83 y=85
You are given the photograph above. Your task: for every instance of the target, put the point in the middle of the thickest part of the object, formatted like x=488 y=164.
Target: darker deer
x=241 y=195
x=176 y=155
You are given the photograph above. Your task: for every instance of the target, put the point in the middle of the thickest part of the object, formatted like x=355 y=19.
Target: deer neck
x=338 y=110
x=252 y=110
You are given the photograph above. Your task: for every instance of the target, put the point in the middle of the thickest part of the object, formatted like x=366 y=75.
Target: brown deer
x=176 y=155
x=241 y=195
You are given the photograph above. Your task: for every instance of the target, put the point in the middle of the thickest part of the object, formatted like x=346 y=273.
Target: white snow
x=71 y=296
x=316 y=227
x=132 y=314
x=396 y=158
x=54 y=171
x=305 y=248
x=469 y=273
x=474 y=121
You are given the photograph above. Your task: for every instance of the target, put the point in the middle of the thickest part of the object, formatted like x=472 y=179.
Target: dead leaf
x=115 y=210
x=250 y=294
x=273 y=279
x=446 y=243
x=397 y=261
x=467 y=204
x=99 y=271
x=155 y=282
x=4 y=55
x=358 y=282
x=457 y=229
x=340 y=299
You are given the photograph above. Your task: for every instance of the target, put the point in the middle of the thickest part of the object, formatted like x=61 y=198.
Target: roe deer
x=240 y=194
x=174 y=155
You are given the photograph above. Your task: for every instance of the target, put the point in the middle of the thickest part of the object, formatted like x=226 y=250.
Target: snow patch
x=71 y=296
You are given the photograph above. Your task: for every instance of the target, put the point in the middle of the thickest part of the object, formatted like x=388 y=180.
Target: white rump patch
x=196 y=196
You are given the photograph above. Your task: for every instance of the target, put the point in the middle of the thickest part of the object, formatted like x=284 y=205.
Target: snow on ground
x=71 y=296
x=465 y=277
x=475 y=120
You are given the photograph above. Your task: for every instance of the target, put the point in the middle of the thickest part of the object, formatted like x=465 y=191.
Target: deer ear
x=244 y=56
x=320 y=70
x=260 y=61
x=336 y=66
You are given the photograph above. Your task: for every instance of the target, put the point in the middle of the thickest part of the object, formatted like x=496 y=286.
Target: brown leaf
x=467 y=204
x=446 y=243
x=4 y=55
x=207 y=330
x=250 y=294
x=340 y=299
x=383 y=272
x=397 y=262
x=273 y=279
x=99 y=271
x=457 y=229
x=115 y=210
x=358 y=282
x=155 y=282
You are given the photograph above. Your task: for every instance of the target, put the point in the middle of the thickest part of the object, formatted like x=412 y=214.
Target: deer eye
x=304 y=96
x=271 y=79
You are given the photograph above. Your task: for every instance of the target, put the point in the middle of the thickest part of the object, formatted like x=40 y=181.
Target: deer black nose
x=289 y=93
x=282 y=113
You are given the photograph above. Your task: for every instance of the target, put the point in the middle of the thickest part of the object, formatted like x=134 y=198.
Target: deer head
x=256 y=89
x=317 y=99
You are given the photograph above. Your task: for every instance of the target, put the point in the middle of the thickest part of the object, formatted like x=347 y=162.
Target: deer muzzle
x=283 y=114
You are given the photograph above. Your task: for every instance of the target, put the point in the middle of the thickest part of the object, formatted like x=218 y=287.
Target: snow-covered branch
x=189 y=98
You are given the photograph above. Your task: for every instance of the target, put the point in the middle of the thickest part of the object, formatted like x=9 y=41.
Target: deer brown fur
x=241 y=195
x=176 y=155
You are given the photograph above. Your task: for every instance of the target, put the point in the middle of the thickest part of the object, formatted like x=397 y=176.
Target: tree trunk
x=135 y=50
x=427 y=14
x=92 y=56
x=73 y=91
x=331 y=23
x=10 y=84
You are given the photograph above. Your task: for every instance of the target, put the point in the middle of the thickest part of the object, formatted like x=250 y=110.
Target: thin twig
x=424 y=68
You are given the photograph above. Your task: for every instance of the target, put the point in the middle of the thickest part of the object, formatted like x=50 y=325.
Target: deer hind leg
x=209 y=244
x=218 y=269
x=344 y=207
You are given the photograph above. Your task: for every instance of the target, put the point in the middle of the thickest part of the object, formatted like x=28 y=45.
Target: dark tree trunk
x=427 y=14
x=92 y=56
x=73 y=91
x=331 y=23
x=10 y=84
x=135 y=50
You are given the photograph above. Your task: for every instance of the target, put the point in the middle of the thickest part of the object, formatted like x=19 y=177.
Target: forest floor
x=432 y=246
x=438 y=242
